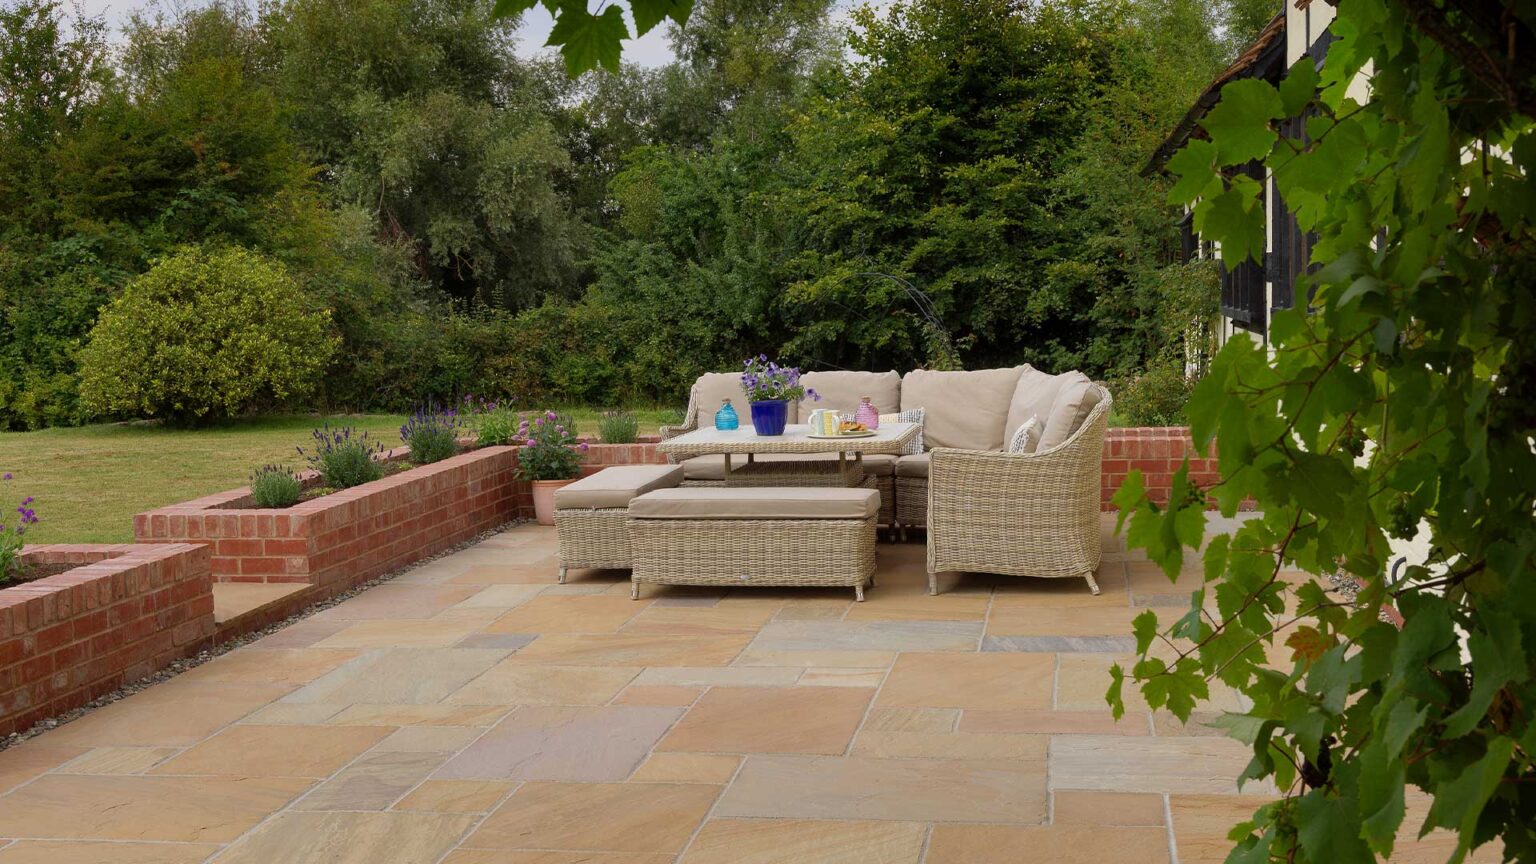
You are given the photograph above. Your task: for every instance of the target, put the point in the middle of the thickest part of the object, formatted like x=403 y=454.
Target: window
x=1243 y=294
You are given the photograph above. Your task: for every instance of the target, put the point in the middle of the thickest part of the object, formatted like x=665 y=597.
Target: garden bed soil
x=34 y=572
x=312 y=490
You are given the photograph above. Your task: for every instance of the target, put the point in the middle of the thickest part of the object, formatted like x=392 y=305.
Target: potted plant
x=550 y=458
x=770 y=388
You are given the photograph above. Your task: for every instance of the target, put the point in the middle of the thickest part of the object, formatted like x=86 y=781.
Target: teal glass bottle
x=725 y=418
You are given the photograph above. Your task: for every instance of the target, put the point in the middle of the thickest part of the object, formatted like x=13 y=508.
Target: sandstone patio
x=473 y=711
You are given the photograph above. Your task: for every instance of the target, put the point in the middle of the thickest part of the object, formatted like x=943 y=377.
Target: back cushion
x=1034 y=397
x=712 y=388
x=962 y=409
x=1072 y=406
x=841 y=391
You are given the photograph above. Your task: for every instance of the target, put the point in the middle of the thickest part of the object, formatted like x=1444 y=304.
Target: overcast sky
x=653 y=49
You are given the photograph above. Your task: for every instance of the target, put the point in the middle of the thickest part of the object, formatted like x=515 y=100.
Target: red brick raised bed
x=125 y=612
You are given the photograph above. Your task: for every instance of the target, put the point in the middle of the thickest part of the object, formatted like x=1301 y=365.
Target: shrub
x=11 y=539
x=275 y=486
x=204 y=334
x=551 y=451
x=344 y=459
x=1156 y=397
x=432 y=433
x=496 y=424
x=618 y=427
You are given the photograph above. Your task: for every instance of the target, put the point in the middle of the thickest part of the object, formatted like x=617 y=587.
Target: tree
x=591 y=39
x=1398 y=407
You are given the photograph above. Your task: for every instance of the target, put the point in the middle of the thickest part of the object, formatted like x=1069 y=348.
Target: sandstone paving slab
x=1130 y=764
x=786 y=841
x=683 y=595
x=33 y=758
x=500 y=597
x=349 y=838
x=658 y=694
x=869 y=636
x=1124 y=809
x=429 y=739
x=1060 y=644
x=373 y=782
x=579 y=588
x=632 y=649
x=1010 y=844
x=513 y=684
x=539 y=572
x=300 y=634
x=1025 y=592
x=911 y=719
x=400 y=675
x=1105 y=620
x=770 y=720
x=118 y=760
x=694 y=621
x=720 y=676
x=419 y=715
x=103 y=852
x=829 y=787
x=1201 y=823
x=1083 y=679
x=276 y=666
x=1054 y=722
x=295 y=714
x=712 y=768
x=525 y=856
x=849 y=659
x=276 y=751
x=822 y=609
x=949 y=745
x=991 y=681
x=395 y=601
x=457 y=796
x=439 y=632
x=185 y=809
x=649 y=818
x=172 y=714
x=507 y=641
x=842 y=678
x=549 y=613
x=560 y=743
x=901 y=605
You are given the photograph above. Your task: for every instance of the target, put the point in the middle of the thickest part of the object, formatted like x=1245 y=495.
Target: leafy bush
x=1156 y=397
x=344 y=459
x=11 y=541
x=495 y=423
x=618 y=427
x=432 y=433
x=206 y=333
x=552 y=451
x=275 y=486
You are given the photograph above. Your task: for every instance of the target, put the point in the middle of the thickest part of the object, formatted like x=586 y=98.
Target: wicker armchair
x=1031 y=514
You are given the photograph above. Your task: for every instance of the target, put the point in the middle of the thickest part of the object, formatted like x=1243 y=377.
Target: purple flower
x=582 y=446
x=10 y=476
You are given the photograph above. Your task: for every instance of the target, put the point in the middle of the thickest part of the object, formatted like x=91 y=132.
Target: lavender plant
x=275 y=486
x=495 y=422
x=550 y=449
x=12 y=538
x=432 y=433
x=767 y=381
x=618 y=427
x=344 y=457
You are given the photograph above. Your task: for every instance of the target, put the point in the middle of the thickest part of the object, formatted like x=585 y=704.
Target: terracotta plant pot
x=544 y=499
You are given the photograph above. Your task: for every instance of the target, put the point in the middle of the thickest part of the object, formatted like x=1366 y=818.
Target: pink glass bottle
x=867 y=414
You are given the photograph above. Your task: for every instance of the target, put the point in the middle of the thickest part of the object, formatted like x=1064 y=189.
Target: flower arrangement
x=767 y=381
x=275 y=486
x=432 y=433
x=343 y=458
x=11 y=540
x=550 y=448
x=495 y=422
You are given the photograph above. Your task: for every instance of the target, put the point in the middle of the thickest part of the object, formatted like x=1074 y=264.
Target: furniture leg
x=563 y=568
x=858 y=593
x=634 y=590
x=1093 y=584
x=933 y=583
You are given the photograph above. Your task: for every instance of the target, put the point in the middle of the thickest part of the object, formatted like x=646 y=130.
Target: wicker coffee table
x=848 y=471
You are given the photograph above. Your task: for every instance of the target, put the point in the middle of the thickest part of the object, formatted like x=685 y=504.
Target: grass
x=89 y=481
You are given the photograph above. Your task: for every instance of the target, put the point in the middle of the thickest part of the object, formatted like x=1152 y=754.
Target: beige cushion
x=713 y=467
x=841 y=391
x=1072 y=406
x=912 y=466
x=760 y=502
x=614 y=487
x=962 y=409
x=1034 y=396
x=711 y=389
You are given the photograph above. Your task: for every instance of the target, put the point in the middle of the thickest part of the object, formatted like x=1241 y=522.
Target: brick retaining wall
x=125 y=612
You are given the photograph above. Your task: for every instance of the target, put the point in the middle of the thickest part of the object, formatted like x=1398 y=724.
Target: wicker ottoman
x=758 y=536
x=590 y=514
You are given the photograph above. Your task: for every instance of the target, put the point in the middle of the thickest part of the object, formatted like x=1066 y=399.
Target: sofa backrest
x=1072 y=405
x=712 y=388
x=1034 y=397
x=841 y=391
x=967 y=410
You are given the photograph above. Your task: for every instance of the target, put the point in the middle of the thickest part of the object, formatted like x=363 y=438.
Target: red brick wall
x=126 y=611
x=1158 y=452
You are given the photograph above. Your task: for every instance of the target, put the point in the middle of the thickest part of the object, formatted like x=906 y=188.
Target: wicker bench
x=759 y=536
x=590 y=514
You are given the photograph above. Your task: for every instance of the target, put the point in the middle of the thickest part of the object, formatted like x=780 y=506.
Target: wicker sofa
x=1032 y=513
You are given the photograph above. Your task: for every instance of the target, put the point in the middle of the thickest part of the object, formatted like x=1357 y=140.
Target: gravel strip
x=179 y=666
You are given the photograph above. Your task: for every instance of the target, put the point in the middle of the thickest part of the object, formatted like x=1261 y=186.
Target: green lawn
x=90 y=481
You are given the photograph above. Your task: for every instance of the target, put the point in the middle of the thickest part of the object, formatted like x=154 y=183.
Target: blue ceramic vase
x=769 y=417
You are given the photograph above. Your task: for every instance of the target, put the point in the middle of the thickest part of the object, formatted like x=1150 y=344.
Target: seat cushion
x=712 y=467
x=1072 y=406
x=757 y=502
x=912 y=466
x=841 y=391
x=614 y=487
x=1034 y=396
x=962 y=409
x=711 y=389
